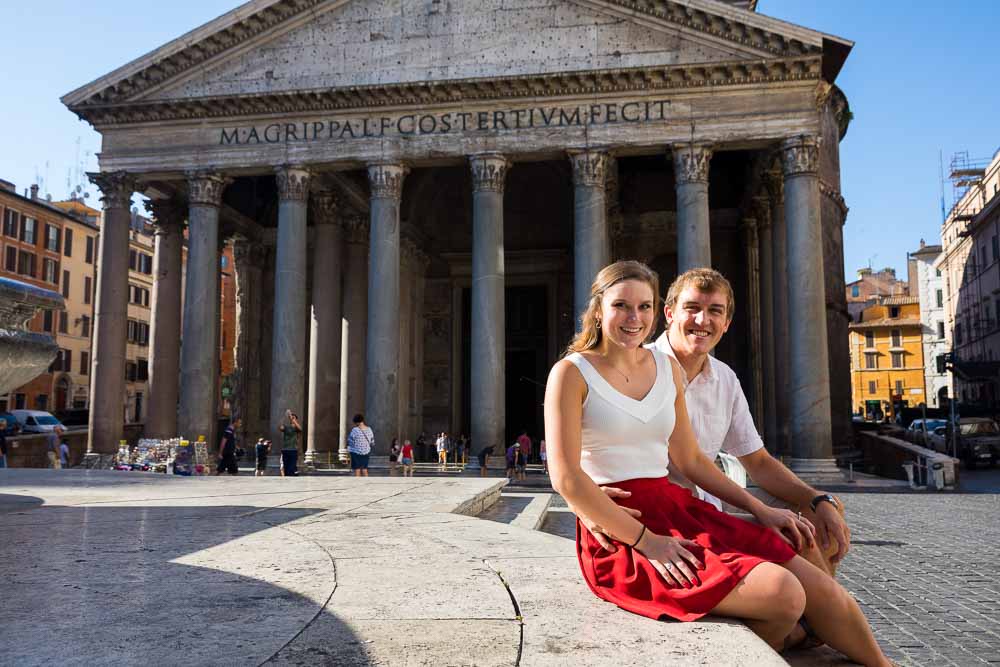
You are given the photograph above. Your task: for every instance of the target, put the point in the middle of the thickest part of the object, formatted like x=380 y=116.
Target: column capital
x=293 y=182
x=800 y=155
x=357 y=229
x=691 y=163
x=325 y=207
x=489 y=172
x=205 y=188
x=247 y=251
x=774 y=183
x=116 y=188
x=386 y=180
x=168 y=214
x=590 y=167
x=760 y=207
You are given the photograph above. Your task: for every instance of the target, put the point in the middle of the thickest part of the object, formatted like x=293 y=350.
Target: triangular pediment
x=282 y=47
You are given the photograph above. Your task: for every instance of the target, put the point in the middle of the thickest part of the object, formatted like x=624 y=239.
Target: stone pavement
x=925 y=569
x=99 y=567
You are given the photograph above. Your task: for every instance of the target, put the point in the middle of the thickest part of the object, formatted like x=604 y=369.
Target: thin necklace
x=627 y=381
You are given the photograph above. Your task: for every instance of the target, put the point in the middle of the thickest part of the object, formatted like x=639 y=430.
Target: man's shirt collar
x=707 y=372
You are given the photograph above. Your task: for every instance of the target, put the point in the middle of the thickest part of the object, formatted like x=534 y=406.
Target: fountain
x=24 y=355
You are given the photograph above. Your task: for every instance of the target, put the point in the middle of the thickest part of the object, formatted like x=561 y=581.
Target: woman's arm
x=694 y=465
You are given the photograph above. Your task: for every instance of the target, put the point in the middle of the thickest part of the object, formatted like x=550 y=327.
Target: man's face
x=697 y=321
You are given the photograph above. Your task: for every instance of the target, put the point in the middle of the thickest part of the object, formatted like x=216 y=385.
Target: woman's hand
x=603 y=538
x=791 y=526
x=671 y=558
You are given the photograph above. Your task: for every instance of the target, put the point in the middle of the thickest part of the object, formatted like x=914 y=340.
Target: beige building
x=447 y=178
x=970 y=267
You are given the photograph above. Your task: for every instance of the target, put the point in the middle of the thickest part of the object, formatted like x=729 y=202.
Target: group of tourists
x=633 y=429
x=230 y=451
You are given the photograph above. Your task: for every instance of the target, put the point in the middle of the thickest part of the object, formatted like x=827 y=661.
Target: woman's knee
x=785 y=593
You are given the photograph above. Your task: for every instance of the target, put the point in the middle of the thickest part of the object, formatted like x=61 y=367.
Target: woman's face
x=627 y=313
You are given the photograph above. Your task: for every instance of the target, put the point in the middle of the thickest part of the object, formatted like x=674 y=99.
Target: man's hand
x=602 y=538
x=791 y=526
x=831 y=527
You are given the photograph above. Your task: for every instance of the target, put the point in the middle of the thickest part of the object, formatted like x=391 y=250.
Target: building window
x=871 y=361
x=85 y=326
x=29 y=228
x=42 y=402
x=142 y=370
x=87 y=289
x=940 y=330
x=897 y=338
x=47 y=321
x=897 y=359
x=937 y=273
x=65 y=284
x=869 y=339
x=26 y=263
x=68 y=242
x=50 y=270
x=893 y=312
x=11 y=263
x=939 y=296
x=52 y=237
x=138 y=295
x=899 y=387
x=63 y=322
x=11 y=223
x=132 y=264
x=88 y=256
x=145 y=263
x=130 y=371
x=84 y=363
x=20 y=400
x=872 y=386
x=855 y=291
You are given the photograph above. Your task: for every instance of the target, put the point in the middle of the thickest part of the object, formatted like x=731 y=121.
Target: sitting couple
x=614 y=408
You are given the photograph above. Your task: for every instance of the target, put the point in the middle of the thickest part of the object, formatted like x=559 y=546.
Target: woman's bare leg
x=835 y=616
x=770 y=600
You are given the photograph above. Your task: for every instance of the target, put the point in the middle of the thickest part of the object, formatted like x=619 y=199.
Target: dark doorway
x=526 y=358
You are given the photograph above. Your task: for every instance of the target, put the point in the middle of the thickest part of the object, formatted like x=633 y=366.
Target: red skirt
x=729 y=548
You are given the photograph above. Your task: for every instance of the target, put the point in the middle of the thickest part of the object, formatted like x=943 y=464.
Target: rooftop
x=886 y=322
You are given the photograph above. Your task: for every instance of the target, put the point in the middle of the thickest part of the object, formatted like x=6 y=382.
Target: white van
x=36 y=421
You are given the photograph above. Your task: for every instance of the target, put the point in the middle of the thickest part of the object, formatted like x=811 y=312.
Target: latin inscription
x=408 y=125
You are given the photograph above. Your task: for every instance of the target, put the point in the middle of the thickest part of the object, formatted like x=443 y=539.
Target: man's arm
x=772 y=476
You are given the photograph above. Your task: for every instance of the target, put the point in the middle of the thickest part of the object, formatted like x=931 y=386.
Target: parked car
x=35 y=421
x=975 y=445
x=13 y=427
x=915 y=431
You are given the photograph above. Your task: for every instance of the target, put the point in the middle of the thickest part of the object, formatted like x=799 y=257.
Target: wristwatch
x=822 y=498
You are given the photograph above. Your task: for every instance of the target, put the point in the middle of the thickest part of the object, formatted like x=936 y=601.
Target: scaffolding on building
x=964 y=173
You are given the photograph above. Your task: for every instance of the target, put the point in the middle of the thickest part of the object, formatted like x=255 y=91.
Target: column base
x=817 y=472
x=96 y=461
x=344 y=457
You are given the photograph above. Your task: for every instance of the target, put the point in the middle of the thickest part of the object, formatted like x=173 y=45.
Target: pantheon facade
x=419 y=193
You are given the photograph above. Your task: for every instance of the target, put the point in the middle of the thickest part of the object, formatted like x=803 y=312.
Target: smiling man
x=699 y=309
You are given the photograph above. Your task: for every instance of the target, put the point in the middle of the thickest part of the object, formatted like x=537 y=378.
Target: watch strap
x=821 y=498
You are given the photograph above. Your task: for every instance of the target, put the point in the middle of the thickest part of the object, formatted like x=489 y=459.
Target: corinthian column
x=200 y=346
x=750 y=240
x=694 y=242
x=165 y=337
x=249 y=259
x=489 y=173
x=324 y=340
x=809 y=371
x=382 y=383
x=762 y=211
x=288 y=335
x=107 y=378
x=591 y=250
x=353 y=343
x=775 y=184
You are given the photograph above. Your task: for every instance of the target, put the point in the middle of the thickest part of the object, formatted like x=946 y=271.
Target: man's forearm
x=771 y=475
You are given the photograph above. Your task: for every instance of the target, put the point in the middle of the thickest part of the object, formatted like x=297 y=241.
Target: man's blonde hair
x=704 y=280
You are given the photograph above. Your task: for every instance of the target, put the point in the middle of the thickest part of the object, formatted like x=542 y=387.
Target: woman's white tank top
x=623 y=438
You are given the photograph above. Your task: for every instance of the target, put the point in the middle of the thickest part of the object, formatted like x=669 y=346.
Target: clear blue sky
x=921 y=79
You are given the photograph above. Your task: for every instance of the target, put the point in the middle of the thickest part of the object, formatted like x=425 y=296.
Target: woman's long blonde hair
x=590 y=334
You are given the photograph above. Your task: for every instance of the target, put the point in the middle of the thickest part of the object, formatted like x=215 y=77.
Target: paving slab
x=100 y=567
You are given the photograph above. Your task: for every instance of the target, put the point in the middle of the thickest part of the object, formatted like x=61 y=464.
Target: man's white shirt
x=718 y=409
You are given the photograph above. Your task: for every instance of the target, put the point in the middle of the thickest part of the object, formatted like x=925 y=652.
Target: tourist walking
x=52 y=447
x=64 y=454
x=393 y=456
x=227 y=450
x=406 y=458
x=360 y=441
x=442 y=451
x=525 y=441
x=261 y=450
x=290 y=430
